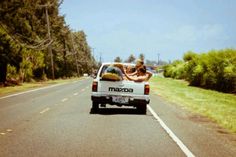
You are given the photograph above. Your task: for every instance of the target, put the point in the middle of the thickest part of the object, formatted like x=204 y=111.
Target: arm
x=134 y=73
x=128 y=77
x=136 y=79
x=149 y=75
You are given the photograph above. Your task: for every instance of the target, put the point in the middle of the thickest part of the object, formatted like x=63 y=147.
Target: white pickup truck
x=120 y=93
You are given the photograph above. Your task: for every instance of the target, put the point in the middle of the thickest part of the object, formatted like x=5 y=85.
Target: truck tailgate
x=121 y=88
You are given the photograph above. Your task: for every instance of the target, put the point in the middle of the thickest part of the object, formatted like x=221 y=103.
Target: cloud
x=191 y=33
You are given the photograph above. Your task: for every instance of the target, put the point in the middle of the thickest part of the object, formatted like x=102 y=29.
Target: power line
x=41 y=45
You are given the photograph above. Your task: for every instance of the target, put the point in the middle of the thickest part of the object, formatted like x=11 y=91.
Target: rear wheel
x=95 y=107
x=142 y=108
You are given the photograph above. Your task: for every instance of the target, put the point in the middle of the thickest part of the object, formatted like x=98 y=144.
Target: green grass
x=220 y=107
x=28 y=86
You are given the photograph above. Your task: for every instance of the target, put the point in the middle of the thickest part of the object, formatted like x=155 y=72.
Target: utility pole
x=100 y=58
x=74 y=52
x=49 y=46
x=49 y=36
x=158 y=60
x=93 y=50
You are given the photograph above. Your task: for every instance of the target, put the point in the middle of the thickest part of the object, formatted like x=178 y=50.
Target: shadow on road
x=112 y=111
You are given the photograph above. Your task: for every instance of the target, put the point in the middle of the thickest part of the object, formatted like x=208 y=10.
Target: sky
x=169 y=28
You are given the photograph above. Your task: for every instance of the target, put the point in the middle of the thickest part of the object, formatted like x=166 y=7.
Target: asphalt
x=57 y=121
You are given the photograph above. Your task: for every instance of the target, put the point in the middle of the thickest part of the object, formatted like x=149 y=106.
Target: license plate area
x=120 y=99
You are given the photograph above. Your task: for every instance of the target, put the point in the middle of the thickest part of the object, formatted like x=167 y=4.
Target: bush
x=214 y=70
x=167 y=70
x=11 y=72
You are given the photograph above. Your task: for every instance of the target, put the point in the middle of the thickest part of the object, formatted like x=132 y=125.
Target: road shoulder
x=201 y=135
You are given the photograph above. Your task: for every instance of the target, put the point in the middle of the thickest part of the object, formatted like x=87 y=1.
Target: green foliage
x=117 y=59
x=85 y=59
x=9 y=54
x=189 y=56
x=214 y=70
x=32 y=60
x=175 y=70
x=142 y=56
x=24 y=42
x=11 y=72
x=130 y=59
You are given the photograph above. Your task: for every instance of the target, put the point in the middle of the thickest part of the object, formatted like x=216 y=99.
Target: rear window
x=111 y=69
x=115 y=70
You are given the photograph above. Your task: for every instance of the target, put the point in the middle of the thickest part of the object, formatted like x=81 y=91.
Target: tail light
x=95 y=86
x=146 y=89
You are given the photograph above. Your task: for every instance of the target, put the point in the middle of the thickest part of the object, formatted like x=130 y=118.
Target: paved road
x=57 y=122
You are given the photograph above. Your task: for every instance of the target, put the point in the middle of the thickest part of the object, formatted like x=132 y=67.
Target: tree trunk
x=65 y=72
x=3 y=74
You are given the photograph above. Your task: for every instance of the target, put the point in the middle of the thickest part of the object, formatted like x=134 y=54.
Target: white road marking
x=76 y=93
x=8 y=96
x=31 y=91
x=186 y=151
x=65 y=99
x=9 y=130
x=3 y=133
x=45 y=110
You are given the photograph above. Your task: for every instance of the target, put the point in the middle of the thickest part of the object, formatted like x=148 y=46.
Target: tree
x=24 y=40
x=117 y=59
x=188 y=56
x=130 y=59
x=31 y=61
x=21 y=29
x=141 y=56
x=9 y=54
x=83 y=53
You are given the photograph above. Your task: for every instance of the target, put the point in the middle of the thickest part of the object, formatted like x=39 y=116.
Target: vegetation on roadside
x=220 y=107
x=213 y=70
x=28 y=31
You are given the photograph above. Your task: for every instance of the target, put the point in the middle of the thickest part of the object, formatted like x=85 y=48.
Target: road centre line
x=45 y=110
x=9 y=130
x=186 y=151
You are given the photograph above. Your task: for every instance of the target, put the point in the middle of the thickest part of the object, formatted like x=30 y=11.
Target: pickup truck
x=121 y=93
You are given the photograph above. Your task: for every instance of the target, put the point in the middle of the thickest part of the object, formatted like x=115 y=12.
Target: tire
x=95 y=107
x=142 y=108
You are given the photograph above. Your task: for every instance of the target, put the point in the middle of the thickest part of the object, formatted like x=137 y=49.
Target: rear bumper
x=108 y=100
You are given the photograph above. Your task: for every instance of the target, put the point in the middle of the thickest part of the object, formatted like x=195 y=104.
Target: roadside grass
x=219 y=107
x=27 y=86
